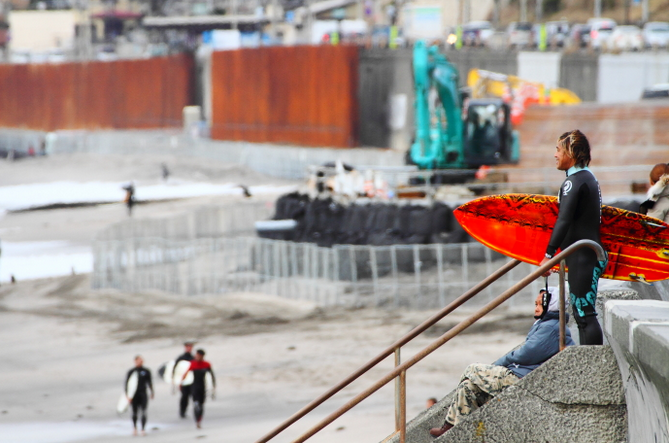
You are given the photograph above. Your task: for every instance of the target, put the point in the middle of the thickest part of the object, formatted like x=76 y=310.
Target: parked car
x=656 y=34
x=557 y=32
x=476 y=33
x=625 y=38
x=519 y=34
x=600 y=30
x=580 y=35
x=656 y=91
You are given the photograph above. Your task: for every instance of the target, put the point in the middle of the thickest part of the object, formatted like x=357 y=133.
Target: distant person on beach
x=480 y=382
x=129 y=197
x=140 y=401
x=657 y=199
x=185 y=390
x=199 y=367
x=579 y=218
x=165 y=171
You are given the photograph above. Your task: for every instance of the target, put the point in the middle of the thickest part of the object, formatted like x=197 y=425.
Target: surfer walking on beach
x=201 y=369
x=140 y=401
x=185 y=390
x=579 y=218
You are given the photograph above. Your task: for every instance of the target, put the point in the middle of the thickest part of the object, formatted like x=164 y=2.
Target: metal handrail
x=400 y=370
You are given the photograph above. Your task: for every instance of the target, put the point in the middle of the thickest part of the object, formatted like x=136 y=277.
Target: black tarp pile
x=326 y=222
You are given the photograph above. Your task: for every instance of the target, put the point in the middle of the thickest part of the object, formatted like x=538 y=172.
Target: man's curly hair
x=577 y=146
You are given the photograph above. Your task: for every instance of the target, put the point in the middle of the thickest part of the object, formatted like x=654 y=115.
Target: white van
x=600 y=30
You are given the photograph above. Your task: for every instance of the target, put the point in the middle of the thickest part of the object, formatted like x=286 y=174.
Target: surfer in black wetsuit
x=199 y=367
x=140 y=400
x=185 y=390
x=579 y=218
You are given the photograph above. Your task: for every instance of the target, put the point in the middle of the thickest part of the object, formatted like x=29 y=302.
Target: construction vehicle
x=452 y=136
x=520 y=93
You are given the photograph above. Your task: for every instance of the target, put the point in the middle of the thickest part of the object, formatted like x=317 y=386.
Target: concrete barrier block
x=575 y=396
x=575 y=367
x=638 y=332
x=517 y=416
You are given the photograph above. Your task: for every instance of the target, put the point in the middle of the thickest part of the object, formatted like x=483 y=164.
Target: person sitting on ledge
x=479 y=382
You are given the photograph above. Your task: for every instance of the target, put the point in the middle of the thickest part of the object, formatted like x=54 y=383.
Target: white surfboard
x=165 y=371
x=173 y=376
x=179 y=372
x=208 y=385
x=130 y=390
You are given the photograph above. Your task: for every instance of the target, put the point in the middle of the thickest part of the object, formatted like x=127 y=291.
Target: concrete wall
x=623 y=77
x=386 y=97
x=579 y=73
x=542 y=67
x=283 y=161
x=504 y=62
x=638 y=332
x=42 y=30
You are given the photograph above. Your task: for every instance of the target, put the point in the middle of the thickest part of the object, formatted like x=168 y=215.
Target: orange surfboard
x=520 y=226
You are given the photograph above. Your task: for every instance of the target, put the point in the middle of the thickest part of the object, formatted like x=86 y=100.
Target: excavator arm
x=438 y=110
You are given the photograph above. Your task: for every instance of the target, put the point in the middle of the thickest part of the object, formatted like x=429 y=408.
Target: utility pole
x=539 y=11
x=644 y=11
x=307 y=26
x=523 y=10
x=275 y=10
x=495 y=14
x=598 y=8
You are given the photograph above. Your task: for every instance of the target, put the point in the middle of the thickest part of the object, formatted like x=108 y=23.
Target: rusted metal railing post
x=403 y=406
x=398 y=392
x=563 y=316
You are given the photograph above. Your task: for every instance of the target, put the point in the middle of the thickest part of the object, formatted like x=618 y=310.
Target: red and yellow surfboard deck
x=520 y=226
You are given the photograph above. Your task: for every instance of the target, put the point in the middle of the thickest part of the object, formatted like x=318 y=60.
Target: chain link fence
x=410 y=276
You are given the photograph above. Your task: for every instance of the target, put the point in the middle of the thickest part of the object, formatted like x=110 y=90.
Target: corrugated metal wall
x=305 y=95
x=131 y=94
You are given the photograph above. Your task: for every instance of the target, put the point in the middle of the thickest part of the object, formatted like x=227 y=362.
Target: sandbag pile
x=327 y=222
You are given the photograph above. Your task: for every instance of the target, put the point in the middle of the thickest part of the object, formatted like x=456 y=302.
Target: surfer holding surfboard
x=204 y=383
x=185 y=389
x=136 y=383
x=579 y=218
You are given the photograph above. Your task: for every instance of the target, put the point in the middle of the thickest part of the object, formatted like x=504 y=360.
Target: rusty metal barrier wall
x=305 y=95
x=132 y=94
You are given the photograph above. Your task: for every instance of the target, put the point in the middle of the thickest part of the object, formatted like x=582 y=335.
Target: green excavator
x=453 y=131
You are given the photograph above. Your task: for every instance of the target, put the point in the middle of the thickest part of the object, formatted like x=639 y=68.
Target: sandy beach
x=66 y=348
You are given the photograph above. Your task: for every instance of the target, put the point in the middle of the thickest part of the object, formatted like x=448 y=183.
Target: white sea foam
x=68 y=192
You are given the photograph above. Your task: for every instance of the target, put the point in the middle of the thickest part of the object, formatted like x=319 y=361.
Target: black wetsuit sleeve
x=568 y=205
x=213 y=377
x=149 y=381
x=127 y=377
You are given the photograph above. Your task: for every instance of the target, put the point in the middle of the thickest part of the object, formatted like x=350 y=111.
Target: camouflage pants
x=479 y=383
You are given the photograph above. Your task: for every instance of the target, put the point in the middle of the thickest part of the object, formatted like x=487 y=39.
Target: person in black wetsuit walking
x=140 y=400
x=200 y=367
x=185 y=390
x=579 y=218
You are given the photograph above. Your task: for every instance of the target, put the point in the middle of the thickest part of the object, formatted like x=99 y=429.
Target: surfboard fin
x=640 y=278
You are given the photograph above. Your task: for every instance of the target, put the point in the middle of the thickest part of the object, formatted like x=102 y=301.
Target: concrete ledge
x=638 y=332
x=575 y=396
